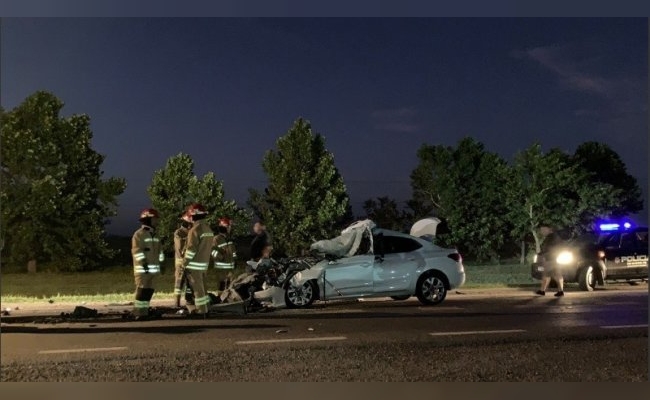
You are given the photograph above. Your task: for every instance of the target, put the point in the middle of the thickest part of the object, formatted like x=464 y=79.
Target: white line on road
x=623 y=326
x=292 y=340
x=476 y=332
x=82 y=350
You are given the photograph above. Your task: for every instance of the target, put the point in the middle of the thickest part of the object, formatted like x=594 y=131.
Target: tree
x=175 y=186
x=604 y=165
x=306 y=199
x=54 y=201
x=464 y=186
x=550 y=188
x=385 y=212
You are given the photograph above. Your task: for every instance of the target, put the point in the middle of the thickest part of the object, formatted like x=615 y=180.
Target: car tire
x=428 y=281
x=400 y=298
x=587 y=279
x=300 y=297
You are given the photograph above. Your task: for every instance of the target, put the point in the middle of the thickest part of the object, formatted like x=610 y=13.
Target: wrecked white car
x=366 y=261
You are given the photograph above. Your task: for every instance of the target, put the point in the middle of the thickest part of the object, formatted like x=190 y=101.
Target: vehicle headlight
x=565 y=257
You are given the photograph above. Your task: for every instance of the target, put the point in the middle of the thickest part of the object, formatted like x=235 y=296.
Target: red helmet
x=149 y=213
x=186 y=217
x=196 y=209
x=225 y=221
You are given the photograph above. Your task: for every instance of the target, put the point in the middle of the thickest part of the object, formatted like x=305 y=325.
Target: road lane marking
x=292 y=340
x=62 y=351
x=624 y=326
x=476 y=332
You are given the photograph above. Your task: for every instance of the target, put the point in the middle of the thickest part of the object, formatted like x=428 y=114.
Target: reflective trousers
x=144 y=290
x=180 y=278
x=201 y=298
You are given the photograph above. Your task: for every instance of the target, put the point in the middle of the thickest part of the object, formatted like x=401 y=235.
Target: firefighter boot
x=178 y=301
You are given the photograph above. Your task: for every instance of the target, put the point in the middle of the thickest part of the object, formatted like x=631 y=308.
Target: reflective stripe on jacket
x=223 y=252
x=146 y=249
x=199 y=247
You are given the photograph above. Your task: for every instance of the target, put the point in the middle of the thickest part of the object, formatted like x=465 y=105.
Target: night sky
x=224 y=89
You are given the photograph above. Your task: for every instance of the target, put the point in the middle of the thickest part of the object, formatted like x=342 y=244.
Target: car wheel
x=399 y=298
x=300 y=296
x=587 y=279
x=431 y=288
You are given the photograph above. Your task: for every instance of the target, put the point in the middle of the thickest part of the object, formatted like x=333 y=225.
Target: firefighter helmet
x=196 y=209
x=186 y=217
x=149 y=213
x=225 y=221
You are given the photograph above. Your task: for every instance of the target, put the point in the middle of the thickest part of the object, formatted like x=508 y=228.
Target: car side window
x=395 y=244
x=612 y=241
x=628 y=241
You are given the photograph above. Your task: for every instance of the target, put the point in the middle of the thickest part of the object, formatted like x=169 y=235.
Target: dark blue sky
x=224 y=89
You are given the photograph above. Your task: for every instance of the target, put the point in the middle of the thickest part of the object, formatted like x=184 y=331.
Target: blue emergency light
x=614 y=227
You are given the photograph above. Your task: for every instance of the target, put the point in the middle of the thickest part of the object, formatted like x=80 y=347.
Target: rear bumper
x=458 y=281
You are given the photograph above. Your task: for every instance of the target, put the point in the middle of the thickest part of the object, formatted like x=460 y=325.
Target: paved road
x=503 y=335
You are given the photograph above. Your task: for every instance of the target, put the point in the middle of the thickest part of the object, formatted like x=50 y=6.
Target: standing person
x=261 y=246
x=180 y=278
x=223 y=248
x=551 y=271
x=224 y=252
x=197 y=257
x=147 y=256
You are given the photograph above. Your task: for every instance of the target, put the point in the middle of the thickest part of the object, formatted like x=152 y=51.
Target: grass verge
x=116 y=284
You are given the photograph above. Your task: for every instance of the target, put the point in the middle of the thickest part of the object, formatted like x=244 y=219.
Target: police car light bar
x=614 y=227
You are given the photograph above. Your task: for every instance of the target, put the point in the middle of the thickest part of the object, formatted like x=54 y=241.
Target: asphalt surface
x=475 y=335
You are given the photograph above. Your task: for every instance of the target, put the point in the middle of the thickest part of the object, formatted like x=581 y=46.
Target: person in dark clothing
x=551 y=271
x=261 y=245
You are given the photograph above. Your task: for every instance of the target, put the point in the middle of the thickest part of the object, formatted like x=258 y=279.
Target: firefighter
x=180 y=241
x=224 y=252
x=147 y=257
x=223 y=249
x=197 y=257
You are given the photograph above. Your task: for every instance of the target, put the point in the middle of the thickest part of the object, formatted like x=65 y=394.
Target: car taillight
x=456 y=257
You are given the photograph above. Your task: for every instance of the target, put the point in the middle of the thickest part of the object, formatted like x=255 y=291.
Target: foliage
x=53 y=199
x=306 y=199
x=175 y=186
x=550 y=188
x=385 y=212
x=604 y=165
x=464 y=186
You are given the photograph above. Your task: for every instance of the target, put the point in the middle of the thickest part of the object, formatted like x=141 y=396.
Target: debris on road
x=50 y=301
x=281 y=331
x=310 y=329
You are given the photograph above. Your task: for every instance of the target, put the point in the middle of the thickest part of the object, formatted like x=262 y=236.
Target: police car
x=625 y=250
x=618 y=253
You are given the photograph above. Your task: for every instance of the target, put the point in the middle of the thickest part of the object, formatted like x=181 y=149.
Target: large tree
x=604 y=165
x=175 y=186
x=306 y=199
x=464 y=186
x=551 y=188
x=54 y=200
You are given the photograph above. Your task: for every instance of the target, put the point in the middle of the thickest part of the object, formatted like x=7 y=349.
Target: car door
x=349 y=276
x=394 y=272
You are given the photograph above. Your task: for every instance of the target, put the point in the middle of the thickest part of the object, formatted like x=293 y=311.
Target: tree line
x=55 y=201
